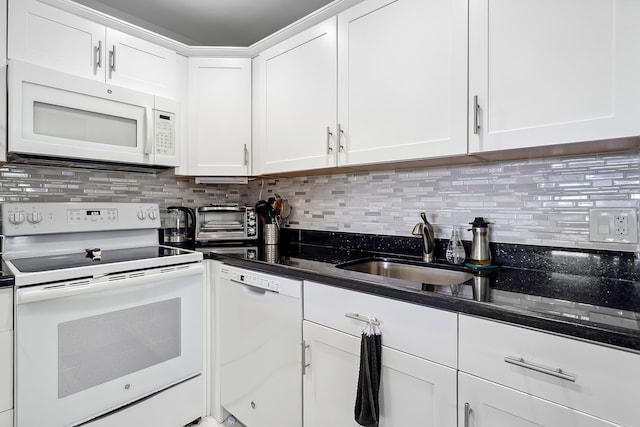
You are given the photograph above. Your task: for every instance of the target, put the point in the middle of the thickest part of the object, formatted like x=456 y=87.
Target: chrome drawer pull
x=558 y=373
x=366 y=319
x=467 y=414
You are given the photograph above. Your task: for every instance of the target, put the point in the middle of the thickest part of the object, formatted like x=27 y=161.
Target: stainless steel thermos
x=480 y=254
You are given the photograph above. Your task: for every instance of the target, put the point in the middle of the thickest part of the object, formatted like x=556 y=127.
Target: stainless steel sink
x=410 y=272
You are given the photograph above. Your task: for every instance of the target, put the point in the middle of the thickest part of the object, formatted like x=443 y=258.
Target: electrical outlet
x=613 y=225
x=621 y=223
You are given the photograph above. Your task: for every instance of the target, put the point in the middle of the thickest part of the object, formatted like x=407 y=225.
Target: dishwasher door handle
x=254 y=288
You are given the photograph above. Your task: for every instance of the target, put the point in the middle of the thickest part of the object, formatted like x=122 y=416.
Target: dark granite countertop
x=596 y=306
x=6 y=278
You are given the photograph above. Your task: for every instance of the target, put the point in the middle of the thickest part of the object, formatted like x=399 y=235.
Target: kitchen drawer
x=6 y=370
x=6 y=419
x=6 y=309
x=421 y=331
x=607 y=381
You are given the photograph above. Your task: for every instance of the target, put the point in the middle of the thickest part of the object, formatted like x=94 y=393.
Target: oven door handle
x=115 y=281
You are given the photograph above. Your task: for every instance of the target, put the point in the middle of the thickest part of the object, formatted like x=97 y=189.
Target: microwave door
x=77 y=118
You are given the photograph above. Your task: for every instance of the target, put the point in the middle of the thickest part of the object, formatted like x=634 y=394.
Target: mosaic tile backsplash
x=537 y=201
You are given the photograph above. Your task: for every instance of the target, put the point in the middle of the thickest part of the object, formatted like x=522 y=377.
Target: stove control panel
x=47 y=218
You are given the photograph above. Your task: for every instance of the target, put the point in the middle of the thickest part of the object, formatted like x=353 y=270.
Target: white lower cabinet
x=483 y=403
x=537 y=378
x=6 y=418
x=6 y=357
x=413 y=390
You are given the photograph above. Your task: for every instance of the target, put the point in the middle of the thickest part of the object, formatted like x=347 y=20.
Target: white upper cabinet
x=402 y=80
x=50 y=37
x=550 y=72
x=219 y=116
x=139 y=64
x=397 y=92
x=400 y=91
x=295 y=102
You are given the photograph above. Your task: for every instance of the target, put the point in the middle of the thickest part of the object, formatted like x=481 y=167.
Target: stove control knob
x=16 y=217
x=153 y=215
x=141 y=215
x=34 y=217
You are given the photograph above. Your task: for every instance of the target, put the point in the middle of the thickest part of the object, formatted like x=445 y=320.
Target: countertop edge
x=596 y=334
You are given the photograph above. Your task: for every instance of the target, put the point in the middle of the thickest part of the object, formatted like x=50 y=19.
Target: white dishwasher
x=260 y=328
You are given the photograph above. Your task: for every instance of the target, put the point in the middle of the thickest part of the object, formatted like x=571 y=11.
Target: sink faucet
x=425 y=230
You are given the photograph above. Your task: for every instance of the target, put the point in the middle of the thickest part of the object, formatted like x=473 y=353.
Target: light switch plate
x=615 y=225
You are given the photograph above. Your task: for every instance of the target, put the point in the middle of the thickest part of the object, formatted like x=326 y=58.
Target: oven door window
x=97 y=349
x=82 y=354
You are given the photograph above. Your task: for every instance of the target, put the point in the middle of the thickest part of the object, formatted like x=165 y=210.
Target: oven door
x=86 y=347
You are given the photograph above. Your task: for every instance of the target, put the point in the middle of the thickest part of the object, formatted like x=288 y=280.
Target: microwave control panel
x=165 y=133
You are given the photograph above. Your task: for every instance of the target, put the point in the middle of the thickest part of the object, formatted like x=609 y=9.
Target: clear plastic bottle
x=455 y=250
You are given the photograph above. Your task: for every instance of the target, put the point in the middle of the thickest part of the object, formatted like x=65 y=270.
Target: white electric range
x=108 y=323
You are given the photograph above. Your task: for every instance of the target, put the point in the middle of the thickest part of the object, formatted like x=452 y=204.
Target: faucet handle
x=424 y=217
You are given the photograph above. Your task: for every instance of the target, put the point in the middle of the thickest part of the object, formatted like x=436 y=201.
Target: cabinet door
x=219 y=116
x=296 y=102
x=46 y=36
x=6 y=419
x=402 y=81
x=486 y=404
x=138 y=64
x=412 y=389
x=6 y=370
x=552 y=71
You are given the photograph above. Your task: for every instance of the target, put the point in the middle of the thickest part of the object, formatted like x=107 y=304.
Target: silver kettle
x=179 y=225
x=480 y=254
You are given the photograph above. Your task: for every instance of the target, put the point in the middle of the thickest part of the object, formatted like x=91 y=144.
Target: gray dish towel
x=367 y=408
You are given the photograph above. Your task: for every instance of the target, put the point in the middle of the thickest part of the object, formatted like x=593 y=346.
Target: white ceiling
x=237 y=23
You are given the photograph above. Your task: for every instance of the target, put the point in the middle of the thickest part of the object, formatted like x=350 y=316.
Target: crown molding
x=302 y=24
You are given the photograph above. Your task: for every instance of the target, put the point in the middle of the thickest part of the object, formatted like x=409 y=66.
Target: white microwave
x=58 y=115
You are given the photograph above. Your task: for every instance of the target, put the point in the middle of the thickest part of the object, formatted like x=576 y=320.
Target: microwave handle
x=149 y=132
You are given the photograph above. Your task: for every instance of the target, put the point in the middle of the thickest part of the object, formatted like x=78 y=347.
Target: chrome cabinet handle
x=305 y=365
x=558 y=373
x=467 y=414
x=340 y=135
x=112 y=59
x=97 y=51
x=329 y=135
x=476 y=108
x=367 y=319
x=246 y=155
